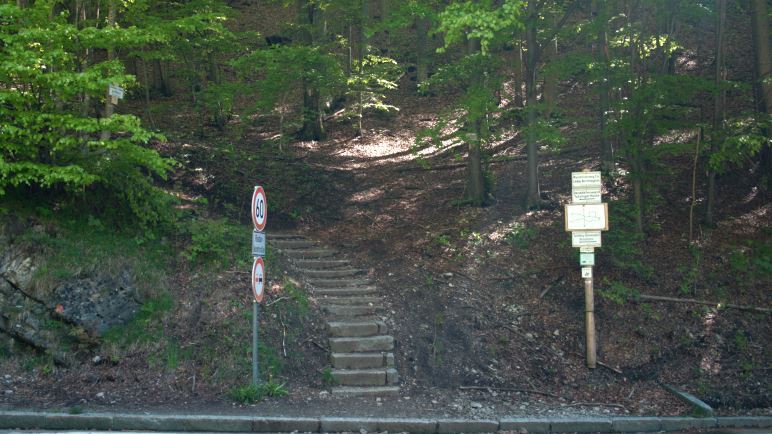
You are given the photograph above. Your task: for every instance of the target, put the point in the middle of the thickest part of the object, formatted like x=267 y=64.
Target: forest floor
x=487 y=302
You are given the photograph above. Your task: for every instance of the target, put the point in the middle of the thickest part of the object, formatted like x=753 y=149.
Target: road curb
x=29 y=420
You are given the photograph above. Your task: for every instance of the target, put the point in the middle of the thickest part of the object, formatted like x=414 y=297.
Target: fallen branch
x=599 y=363
x=509 y=389
x=596 y=404
x=276 y=301
x=703 y=302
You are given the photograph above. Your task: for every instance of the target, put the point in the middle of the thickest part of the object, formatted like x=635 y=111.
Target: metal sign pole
x=589 y=319
x=255 y=311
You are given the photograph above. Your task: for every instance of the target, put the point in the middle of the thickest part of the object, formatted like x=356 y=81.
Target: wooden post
x=589 y=319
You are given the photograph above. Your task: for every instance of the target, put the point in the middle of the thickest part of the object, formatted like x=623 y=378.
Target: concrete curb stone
x=466 y=426
x=581 y=425
x=636 y=424
x=682 y=423
x=77 y=421
x=408 y=425
x=744 y=421
x=340 y=424
x=26 y=420
x=525 y=423
x=285 y=424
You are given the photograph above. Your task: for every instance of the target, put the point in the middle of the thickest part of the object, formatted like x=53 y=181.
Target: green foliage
x=327 y=378
x=48 y=138
x=247 y=394
x=753 y=260
x=617 y=292
x=486 y=21
x=369 y=82
x=520 y=236
x=217 y=242
x=146 y=327
x=77 y=245
x=622 y=243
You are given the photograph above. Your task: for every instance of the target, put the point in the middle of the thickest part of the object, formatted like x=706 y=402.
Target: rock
x=100 y=395
x=97 y=360
x=448 y=275
x=529 y=336
x=8 y=392
x=556 y=332
x=476 y=405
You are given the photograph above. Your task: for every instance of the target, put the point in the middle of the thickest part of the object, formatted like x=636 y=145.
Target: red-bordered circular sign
x=258 y=279
x=259 y=208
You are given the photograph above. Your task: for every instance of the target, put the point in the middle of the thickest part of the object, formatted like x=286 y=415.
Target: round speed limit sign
x=259 y=209
x=258 y=279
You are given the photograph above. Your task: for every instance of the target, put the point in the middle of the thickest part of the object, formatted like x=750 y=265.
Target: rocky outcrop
x=58 y=318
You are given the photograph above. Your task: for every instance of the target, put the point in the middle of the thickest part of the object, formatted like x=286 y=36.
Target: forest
x=432 y=142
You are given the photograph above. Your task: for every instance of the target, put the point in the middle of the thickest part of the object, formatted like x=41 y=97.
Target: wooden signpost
x=259 y=214
x=585 y=217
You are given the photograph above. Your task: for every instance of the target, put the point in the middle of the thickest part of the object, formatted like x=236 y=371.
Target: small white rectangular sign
x=116 y=91
x=586 y=217
x=587 y=249
x=258 y=243
x=587 y=259
x=584 y=180
x=585 y=196
x=586 y=272
x=585 y=239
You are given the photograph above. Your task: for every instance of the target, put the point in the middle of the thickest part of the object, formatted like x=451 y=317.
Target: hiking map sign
x=585 y=217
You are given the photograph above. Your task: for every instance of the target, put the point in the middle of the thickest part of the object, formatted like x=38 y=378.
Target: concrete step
x=293 y=244
x=362 y=345
x=366 y=391
x=336 y=283
x=342 y=311
x=350 y=301
x=365 y=377
x=341 y=292
x=321 y=264
x=362 y=360
x=283 y=236
x=308 y=253
x=327 y=274
x=347 y=329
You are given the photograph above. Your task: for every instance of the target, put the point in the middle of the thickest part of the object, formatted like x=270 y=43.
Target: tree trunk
x=550 y=90
x=606 y=145
x=762 y=86
x=718 y=109
x=422 y=50
x=475 y=184
x=108 y=110
x=517 y=74
x=312 y=128
x=533 y=197
x=160 y=79
x=362 y=54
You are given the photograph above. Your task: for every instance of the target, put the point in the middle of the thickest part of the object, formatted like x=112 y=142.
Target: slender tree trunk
x=362 y=54
x=762 y=89
x=533 y=197
x=550 y=90
x=422 y=50
x=312 y=119
x=718 y=109
x=108 y=110
x=517 y=76
x=606 y=145
x=475 y=184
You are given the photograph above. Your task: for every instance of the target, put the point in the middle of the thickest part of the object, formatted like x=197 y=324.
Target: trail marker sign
x=587 y=217
x=258 y=279
x=258 y=243
x=259 y=209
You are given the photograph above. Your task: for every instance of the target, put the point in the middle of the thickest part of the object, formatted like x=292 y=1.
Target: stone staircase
x=361 y=349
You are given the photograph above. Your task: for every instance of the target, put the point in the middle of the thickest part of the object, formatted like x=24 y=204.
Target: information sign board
x=586 y=217
x=258 y=243
x=585 y=239
x=584 y=180
x=587 y=259
x=585 y=196
x=115 y=91
x=586 y=272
